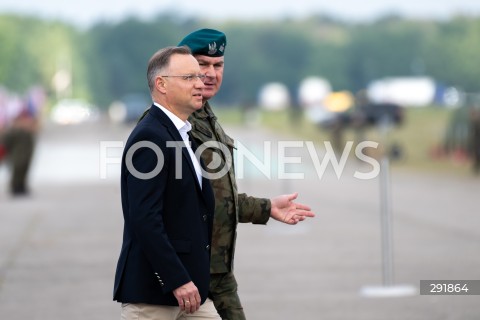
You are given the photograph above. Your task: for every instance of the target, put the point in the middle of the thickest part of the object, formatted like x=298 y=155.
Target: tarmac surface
x=59 y=247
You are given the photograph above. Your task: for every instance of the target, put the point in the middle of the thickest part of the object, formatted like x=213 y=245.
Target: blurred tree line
x=108 y=60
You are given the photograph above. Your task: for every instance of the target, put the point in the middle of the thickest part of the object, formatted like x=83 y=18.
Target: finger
x=304 y=211
x=194 y=304
x=292 y=196
x=181 y=301
x=305 y=214
x=199 y=300
x=291 y=220
x=289 y=217
x=188 y=306
x=181 y=304
x=300 y=206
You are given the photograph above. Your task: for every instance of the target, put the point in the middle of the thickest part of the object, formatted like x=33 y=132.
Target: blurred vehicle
x=407 y=91
x=73 y=111
x=378 y=113
x=129 y=108
x=366 y=115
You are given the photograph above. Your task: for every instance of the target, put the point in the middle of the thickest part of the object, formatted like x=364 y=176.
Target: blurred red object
x=3 y=151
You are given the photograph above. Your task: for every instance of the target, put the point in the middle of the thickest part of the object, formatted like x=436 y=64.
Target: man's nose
x=199 y=83
x=209 y=71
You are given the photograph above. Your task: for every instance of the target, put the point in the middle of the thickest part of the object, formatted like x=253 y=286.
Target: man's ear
x=161 y=84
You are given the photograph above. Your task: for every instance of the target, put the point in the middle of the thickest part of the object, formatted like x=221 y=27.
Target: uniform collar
x=205 y=112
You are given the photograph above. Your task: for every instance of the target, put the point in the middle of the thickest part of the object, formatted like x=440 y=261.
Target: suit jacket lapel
x=176 y=137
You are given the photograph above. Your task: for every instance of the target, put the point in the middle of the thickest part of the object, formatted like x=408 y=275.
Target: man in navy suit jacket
x=163 y=271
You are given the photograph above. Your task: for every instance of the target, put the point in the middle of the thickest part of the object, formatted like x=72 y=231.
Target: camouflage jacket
x=230 y=207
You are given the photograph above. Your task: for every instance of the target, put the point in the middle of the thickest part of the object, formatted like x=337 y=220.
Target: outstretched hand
x=289 y=212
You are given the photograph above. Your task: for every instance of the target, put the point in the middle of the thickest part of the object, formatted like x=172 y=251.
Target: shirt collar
x=182 y=126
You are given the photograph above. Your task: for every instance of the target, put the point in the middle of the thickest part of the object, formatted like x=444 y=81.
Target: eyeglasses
x=188 y=77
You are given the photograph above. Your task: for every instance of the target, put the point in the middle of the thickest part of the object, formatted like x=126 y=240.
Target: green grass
x=421 y=133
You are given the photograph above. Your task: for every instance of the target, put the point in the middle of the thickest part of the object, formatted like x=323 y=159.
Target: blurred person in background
x=208 y=47
x=474 y=142
x=22 y=124
x=3 y=122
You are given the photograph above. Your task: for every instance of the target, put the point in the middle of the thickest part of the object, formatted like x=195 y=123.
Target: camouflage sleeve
x=254 y=210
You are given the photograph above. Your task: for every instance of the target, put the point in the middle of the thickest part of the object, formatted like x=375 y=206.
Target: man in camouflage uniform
x=208 y=47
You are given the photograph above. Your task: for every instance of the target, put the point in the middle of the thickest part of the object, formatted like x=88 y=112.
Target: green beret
x=206 y=42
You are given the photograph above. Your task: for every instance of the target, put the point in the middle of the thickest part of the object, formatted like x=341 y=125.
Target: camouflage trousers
x=223 y=292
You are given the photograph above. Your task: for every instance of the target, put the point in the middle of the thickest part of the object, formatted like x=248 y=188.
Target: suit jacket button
x=205 y=217
x=207 y=247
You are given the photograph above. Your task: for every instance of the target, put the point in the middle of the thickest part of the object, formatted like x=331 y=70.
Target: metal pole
x=387 y=289
x=386 y=221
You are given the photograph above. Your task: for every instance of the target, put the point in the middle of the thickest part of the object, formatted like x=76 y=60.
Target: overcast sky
x=86 y=12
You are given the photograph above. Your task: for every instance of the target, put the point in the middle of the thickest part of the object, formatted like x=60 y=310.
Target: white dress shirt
x=183 y=128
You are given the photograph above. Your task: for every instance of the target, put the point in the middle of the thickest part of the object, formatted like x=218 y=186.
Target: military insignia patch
x=212 y=48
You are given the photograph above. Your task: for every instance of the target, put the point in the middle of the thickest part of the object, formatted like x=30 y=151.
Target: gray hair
x=160 y=60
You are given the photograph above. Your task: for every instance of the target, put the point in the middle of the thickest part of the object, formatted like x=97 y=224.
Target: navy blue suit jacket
x=168 y=219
